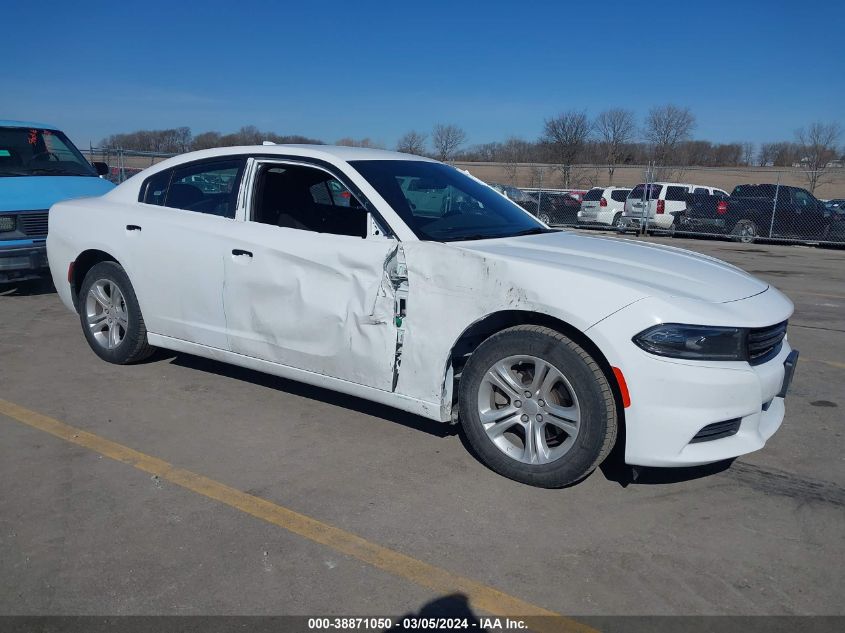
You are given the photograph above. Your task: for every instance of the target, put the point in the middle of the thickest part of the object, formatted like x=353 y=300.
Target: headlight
x=7 y=223
x=694 y=342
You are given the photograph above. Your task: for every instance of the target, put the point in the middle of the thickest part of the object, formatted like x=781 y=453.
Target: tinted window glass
x=308 y=199
x=697 y=190
x=677 y=193
x=754 y=191
x=206 y=187
x=803 y=198
x=652 y=193
x=155 y=188
x=593 y=194
x=620 y=194
x=440 y=203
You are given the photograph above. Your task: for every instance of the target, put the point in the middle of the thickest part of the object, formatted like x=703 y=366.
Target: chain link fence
x=123 y=163
x=745 y=204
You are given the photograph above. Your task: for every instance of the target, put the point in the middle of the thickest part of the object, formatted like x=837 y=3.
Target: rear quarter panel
x=80 y=225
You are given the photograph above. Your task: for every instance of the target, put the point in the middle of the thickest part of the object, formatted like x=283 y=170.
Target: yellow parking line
x=482 y=597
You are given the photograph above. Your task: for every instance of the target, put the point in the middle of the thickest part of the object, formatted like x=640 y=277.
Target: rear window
x=640 y=191
x=677 y=193
x=619 y=194
x=754 y=191
x=593 y=194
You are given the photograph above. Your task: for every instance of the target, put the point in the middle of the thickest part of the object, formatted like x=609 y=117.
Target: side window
x=803 y=199
x=701 y=190
x=206 y=187
x=308 y=199
x=154 y=188
x=619 y=195
x=677 y=193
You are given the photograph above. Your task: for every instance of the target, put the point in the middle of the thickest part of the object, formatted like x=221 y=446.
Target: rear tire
x=744 y=231
x=536 y=407
x=617 y=222
x=111 y=317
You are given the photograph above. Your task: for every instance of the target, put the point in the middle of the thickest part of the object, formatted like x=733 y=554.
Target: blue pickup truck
x=39 y=166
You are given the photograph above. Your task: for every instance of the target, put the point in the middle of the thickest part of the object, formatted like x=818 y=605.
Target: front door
x=305 y=284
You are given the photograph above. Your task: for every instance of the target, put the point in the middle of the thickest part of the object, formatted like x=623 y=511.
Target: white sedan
x=403 y=281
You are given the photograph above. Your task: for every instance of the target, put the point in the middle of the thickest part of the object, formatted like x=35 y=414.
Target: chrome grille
x=765 y=342
x=34 y=224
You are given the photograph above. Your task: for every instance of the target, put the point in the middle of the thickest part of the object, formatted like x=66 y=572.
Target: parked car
x=558 y=208
x=39 y=166
x=836 y=206
x=655 y=205
x=603 y=205
x=523 y=199
x=459 y=307
x=754 y=211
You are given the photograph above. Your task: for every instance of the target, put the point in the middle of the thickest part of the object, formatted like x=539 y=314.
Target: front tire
x=536 y=407
x=110 y=316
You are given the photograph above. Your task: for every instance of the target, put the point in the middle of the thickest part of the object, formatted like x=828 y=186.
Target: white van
x=603 y=205
x=658 y=202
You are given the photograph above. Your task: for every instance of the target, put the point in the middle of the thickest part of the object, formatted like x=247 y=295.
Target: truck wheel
x=110 y=316
x=744 y=231
x=536 y=407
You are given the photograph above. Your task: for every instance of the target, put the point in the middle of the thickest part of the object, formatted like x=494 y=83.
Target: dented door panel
x=319 y=302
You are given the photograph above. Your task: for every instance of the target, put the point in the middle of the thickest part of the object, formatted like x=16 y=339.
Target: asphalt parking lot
x=397 y=513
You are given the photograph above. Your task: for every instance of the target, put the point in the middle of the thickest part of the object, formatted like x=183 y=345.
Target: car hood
x=25 y=193
x=653 y=269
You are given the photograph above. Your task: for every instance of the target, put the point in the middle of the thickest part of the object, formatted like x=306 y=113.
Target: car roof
x=337 y=152
x=27 y=124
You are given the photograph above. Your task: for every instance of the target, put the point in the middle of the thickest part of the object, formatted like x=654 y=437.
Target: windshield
x=34 y=152
x=439 y=203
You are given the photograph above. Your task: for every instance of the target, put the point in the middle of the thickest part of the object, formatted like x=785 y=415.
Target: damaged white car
x=404 y=281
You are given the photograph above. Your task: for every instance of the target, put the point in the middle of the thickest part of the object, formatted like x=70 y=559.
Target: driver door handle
x=133 y=227
x=238 y=251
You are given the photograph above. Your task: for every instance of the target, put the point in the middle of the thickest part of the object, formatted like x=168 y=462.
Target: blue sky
x=752 y=71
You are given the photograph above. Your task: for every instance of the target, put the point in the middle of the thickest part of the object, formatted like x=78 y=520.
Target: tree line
x=612 y=138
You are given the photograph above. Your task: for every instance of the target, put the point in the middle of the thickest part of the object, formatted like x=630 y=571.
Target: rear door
x=177 y=237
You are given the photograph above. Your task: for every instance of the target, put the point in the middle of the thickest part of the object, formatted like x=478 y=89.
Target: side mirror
x=102 y=168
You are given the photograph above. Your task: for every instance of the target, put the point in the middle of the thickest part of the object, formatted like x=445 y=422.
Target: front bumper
x=21 y=262
x=674 y=400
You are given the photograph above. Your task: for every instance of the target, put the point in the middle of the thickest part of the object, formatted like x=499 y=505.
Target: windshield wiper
x=534 y=231
x=60 y=172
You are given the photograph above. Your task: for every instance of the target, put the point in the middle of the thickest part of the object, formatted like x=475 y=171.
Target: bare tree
x=665 y=127
x=412 y=142
x=748 y=153
x=513 y=152
x=566 y=134
x=446 y=139
x=817 y=144
x=615 y=128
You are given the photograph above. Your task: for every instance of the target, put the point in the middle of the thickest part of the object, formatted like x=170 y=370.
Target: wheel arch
x=495 y=322
x=84 y=262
